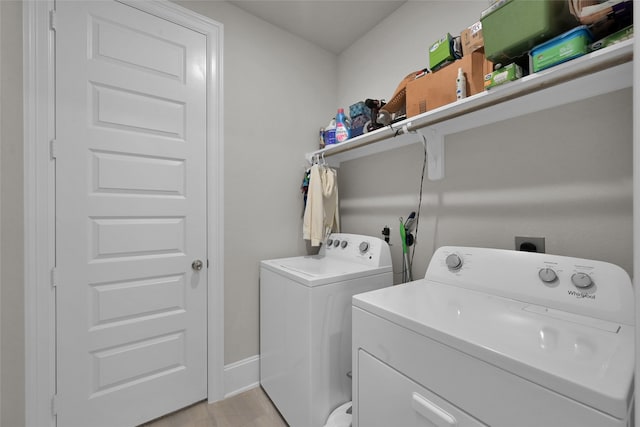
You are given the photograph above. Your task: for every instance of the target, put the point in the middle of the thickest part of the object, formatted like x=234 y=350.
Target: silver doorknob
x=197 y=265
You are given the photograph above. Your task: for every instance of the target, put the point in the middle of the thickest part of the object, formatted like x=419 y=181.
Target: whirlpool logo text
x=581 y=295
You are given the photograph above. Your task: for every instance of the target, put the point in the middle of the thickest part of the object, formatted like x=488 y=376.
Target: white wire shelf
x=594 y=74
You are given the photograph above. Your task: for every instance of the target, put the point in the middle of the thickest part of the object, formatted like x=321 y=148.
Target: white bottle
x=461 y=85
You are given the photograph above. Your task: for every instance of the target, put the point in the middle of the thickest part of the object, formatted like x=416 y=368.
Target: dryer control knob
x=581 y=280
x=364 y=247
x=329 y=242
x=336 y=243
x=344 y=244
x=454 y=262
x=547 y=275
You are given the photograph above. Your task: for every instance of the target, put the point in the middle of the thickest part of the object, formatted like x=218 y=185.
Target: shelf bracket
x=435 y=152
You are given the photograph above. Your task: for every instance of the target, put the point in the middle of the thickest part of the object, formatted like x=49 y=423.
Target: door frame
x=39 y=200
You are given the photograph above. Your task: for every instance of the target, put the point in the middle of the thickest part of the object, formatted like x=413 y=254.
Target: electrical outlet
x=530 y=244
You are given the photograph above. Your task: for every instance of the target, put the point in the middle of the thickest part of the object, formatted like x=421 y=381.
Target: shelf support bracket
x=435 y=152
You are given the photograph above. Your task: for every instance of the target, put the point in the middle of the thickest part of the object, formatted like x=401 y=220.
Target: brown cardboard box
x=472 y=38
x=439 y=88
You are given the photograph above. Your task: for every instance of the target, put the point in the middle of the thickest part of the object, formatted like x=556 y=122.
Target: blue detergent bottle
x=343 y=132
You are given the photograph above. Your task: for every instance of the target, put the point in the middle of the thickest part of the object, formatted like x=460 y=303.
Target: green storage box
x=617 y=37
x=503 y=75
x=440 y=52
x=567 y=46
x=512 y=29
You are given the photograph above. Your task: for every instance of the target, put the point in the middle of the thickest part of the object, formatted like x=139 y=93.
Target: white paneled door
x=131 y=301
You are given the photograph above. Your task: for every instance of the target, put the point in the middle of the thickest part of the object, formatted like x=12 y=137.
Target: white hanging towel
x=321 y=213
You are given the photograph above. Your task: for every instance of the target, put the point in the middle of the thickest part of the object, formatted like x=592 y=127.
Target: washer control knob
x=547 y=275
x=329 y=242
x=364 y=247
x=344 y=244
x=581 y=280
x=336 y=243
x=454 y=262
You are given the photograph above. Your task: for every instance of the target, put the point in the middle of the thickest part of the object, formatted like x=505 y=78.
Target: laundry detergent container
x=515 y=27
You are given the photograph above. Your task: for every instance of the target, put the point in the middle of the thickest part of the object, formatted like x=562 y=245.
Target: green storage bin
x=441 y=52
x=565 y=47
x=511 y=30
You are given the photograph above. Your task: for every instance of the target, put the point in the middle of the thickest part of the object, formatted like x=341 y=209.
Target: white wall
x=374 y=65
x=565 y=173
x=11 y=211
x=636 y=201
x=276 y=87
x=1 y=62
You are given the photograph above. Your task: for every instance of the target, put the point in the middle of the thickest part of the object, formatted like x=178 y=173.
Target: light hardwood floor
x=249 y=409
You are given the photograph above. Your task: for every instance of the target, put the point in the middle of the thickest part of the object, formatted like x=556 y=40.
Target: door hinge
x=53 y=149
x=54 y=404
x=53 y=21
x=207 y=263
x=54 y=277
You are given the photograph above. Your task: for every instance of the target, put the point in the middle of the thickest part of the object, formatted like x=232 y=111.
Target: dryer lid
x=586 y=359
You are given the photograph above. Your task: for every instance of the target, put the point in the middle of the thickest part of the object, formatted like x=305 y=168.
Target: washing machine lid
x=586 y=359
x=320 y=270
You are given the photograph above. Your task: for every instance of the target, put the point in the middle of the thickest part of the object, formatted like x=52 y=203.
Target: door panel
x=130 y=214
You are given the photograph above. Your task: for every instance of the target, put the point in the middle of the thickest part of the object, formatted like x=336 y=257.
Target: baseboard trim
x=241 y=376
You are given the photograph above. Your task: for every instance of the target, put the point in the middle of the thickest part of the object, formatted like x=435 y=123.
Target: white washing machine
x=497 y=338
x=305 y=324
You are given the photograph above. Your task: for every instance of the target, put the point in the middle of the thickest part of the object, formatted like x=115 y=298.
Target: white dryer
x=497 y=338
x=305 y=324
